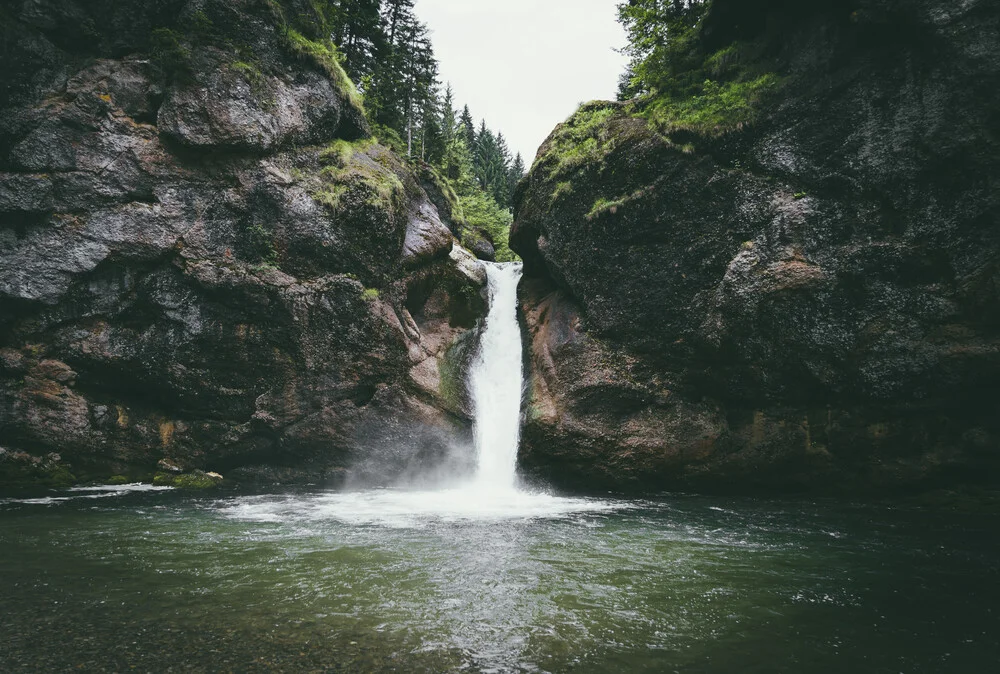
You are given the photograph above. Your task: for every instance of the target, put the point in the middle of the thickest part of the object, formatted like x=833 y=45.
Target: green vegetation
x=563 y=189
x=194 y=480
x=201 y=24
x=251 y=73
x=447 y=190
x=482 y=214
x=163 y=480
x=168 y=54
x=324 y=55
x=259 y=244
x=361 y=167
x=385 y=49
x=603 y=205
x=663 y=48
x=582 y=139
x=118 y=479
x=330 y=194
x=260 y=87
x=340 y=152
x=673 y=83
x=390 y=138
x=19 y=469
x=369 y=294
x=715 y=109
x=676 y=84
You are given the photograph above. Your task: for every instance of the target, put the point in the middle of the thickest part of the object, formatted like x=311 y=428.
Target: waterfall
x=496 y=380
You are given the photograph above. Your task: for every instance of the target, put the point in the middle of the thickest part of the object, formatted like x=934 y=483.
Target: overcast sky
x=525 y=65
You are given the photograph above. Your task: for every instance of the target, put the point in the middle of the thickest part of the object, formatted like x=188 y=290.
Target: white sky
x=525 y=65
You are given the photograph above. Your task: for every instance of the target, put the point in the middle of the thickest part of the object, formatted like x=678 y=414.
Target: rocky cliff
x=205 y=258
x=792 y=282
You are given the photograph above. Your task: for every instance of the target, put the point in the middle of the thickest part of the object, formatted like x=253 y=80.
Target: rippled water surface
x=465 y=580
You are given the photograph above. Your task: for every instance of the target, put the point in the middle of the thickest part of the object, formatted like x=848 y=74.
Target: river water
x=313 y=581
x=489 y=577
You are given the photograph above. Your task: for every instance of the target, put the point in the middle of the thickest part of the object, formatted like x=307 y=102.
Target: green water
x=317 y=582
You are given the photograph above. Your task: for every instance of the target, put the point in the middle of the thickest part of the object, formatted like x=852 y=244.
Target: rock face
x=812 y=300
x=204 y=259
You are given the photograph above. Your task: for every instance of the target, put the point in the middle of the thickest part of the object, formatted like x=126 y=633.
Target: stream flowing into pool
x=489 y=577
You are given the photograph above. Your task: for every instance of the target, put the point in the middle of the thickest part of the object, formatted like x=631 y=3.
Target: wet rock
x=237 y=108
x=168 y=466
x=484 y=250
x=804 y=302
x=426 y=237
x=202 y=254
x=22 y=470
x=196 y=480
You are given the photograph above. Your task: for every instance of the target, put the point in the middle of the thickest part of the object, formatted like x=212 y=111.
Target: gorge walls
x=791 y=283
x=206 y=258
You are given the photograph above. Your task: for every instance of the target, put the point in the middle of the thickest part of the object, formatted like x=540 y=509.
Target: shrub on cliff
x=679 y=83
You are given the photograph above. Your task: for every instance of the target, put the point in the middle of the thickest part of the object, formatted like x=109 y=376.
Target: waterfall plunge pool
x=489 y=578
x=418 y=582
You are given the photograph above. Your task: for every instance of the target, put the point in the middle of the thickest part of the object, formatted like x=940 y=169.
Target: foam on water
x=409 y=509
x=134 y=486
x=99 y=491
x=496 y=382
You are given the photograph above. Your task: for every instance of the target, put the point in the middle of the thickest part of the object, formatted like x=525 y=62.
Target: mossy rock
x=163 y=479
x=59 y=478
x=118 y=479
x=323 y=54
x=356 y=173
x=19 y=469
x=196 y=480
x=442 y=194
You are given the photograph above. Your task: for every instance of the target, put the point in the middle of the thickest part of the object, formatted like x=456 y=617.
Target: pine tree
x=468 y=127
x=502 y=159
x=356 y=28
x=448 y=114
x=432 y=139
x=514 y=176
x=388 y=52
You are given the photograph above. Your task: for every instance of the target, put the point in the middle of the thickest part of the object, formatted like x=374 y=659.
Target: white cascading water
x=496 y=380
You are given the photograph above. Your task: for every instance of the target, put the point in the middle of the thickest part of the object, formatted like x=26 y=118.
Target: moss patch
x=447 y=191
x=163 y=479
x=701 y=95
x=719 y=107
x=260 y=86
x=603 y=205
x=360 y=170
x=195 y=480
x=324 y=54
x=259 y=242
x=582 y=139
